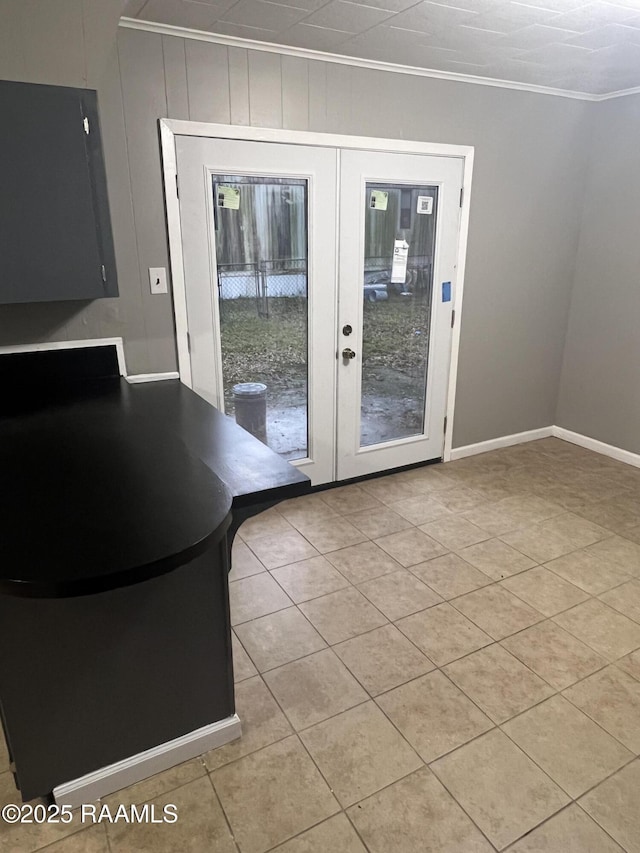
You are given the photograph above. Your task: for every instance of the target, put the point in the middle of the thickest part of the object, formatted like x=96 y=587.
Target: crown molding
x=373 y=64
x=622 y=93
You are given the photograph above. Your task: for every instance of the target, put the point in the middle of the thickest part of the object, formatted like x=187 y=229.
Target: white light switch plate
x=158 y=279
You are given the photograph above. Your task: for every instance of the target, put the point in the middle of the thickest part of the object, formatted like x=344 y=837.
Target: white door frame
x=170 y=128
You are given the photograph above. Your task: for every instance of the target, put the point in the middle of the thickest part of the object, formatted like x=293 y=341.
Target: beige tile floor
x=446 y=660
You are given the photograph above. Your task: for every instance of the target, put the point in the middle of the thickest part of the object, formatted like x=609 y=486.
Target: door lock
x=346 y=330
x=348 y=353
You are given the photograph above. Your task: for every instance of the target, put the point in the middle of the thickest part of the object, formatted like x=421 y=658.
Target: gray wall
x=531 y=156
x=64 y=43
x=73 y=43
x=528 y=182
x=600 y=389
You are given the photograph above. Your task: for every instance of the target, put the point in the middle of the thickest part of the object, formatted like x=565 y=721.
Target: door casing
x=170 y=128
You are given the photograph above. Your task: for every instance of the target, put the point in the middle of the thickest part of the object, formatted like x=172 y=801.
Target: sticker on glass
x=228 y=197
x=425 y=204
x=378 y=200
x=399 y=265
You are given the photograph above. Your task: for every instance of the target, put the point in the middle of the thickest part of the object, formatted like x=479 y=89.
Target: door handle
x=348 y=353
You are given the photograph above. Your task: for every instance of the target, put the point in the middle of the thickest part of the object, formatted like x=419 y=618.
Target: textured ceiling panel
x=592 y=48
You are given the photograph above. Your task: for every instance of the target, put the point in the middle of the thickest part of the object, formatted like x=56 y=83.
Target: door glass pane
x=400 y=227
x=261 y=253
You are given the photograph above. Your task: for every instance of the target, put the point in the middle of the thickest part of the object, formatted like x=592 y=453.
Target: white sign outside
x=399 y=265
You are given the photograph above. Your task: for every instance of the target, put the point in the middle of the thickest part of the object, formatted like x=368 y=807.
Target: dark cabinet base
x=89 y=681
x=115 y=637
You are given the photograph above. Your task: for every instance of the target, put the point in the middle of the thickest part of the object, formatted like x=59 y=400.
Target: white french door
x=318 y=284
x=399 y=216
x=260 y=286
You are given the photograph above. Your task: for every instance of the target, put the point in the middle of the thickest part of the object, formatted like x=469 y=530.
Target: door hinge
x=188 y=343
x=85 y=124
x=461 y=195
x=445 y=423
x=104 y=273
x=177 y=187
x=453 y=317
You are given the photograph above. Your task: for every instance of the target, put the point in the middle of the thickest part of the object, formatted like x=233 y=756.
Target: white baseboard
x=151 y=377
x=105 y=781
x=544 y=432
x=503 y=441
x=597 y=446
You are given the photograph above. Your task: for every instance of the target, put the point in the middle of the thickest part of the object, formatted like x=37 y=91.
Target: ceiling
x=591 y=48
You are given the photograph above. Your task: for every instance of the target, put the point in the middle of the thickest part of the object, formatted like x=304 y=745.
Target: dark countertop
x=107 y=484
x=252 y=471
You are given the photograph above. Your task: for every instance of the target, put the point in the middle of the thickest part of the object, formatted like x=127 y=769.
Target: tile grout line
x=51 y=844
x=222 y=808
x=304 y=746
x=325 y=719
x=492 y=581
x=630 y=760
x=597 y=822
x=461 y=807
x=589 y=716
x=360 y=704
x=608 y=663
x=590 y=645
x=495 y=641
x=546 y=681
x=493 y=726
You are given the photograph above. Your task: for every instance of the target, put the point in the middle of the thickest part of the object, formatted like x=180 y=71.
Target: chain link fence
x=262 y=282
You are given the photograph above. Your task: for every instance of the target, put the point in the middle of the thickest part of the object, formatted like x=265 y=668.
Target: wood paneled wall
x=531 y=161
